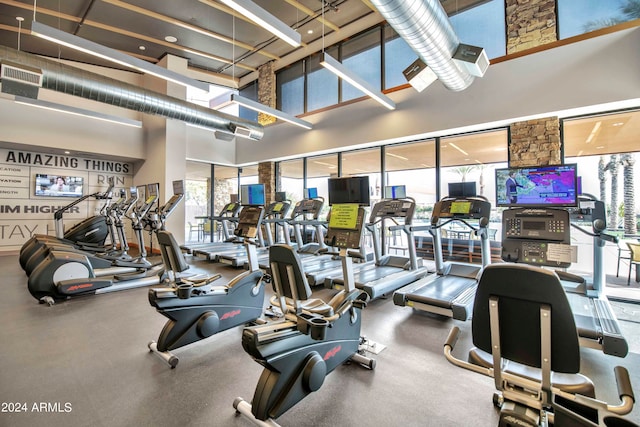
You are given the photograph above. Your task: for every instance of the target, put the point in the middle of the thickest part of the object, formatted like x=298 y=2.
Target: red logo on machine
x=332 y=352
x=230 y=314
x=78 y=287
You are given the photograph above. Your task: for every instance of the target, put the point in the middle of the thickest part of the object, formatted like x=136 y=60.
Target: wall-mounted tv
x=311 y=193
x=537 y=186
x=252 y=194
x=349 y=190
x=462 y=189
x=58 y=185
x=395 y=192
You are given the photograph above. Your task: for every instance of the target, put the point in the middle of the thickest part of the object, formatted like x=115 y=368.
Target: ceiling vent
x=419 y=75
x=20 y=80
x=472 y=59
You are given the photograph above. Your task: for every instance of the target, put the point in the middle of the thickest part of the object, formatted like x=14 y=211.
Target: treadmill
x=305 y=213
x=228 y=214
x=542 y=237
x=275 y=213
x=388 y=272
x=451 y=291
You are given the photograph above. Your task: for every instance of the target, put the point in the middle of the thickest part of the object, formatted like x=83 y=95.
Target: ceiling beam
x=194 y=28
x=312 y=14
x=125 y=33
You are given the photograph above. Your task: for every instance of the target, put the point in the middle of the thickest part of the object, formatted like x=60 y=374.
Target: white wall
x=592 y=72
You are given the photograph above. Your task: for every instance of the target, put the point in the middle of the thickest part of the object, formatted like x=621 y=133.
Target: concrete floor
x=87 y=360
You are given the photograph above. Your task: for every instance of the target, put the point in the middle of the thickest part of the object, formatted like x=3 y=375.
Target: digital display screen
x=344 y=216
x=395 y=192
x=462 y=189
x=310 y=193
x=537 y=186
x=252 y=194
x=460 y=207
x=58 y=185
x=349 y=190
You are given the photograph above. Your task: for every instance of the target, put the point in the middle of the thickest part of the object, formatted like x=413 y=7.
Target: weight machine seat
x=521 y=291
x=282 y=256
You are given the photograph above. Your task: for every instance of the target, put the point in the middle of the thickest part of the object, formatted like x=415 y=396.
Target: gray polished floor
x=87 y=361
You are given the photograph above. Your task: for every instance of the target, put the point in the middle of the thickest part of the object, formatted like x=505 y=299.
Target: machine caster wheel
x=173 y=362
x=47 y=300
x=497 y=400
x=372 y=364
x=149 y=345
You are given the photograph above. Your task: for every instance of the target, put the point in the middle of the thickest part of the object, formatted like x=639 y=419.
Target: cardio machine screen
x=460 y=207
x=395 y=192
x=344 y=216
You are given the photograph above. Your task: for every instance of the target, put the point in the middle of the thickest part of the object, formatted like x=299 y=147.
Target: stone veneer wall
x=267 y=176
x=530 y=23
x=535 y=143
x=266 y=91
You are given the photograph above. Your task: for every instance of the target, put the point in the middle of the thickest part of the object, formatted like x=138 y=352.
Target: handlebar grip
x=453 y=337
x=623 y=382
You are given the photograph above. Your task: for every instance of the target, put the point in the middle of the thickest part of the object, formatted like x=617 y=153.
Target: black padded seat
x=281 y=256
x=571 y=383
x=520 y=291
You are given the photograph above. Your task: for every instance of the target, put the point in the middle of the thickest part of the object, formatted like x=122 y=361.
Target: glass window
x=291 y=179
x=225 y=186
x=364 y=162
x=196 y=198
x=582 y=16
x=250 y=92
x=290 y=89
x=397 y=57
x=473 y=158
x=322 y=84
x=362 y=55
x=319 y=170
x=413 y=165
x=482 y=26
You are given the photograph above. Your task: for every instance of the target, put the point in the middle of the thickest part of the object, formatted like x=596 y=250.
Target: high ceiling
x=209 y=34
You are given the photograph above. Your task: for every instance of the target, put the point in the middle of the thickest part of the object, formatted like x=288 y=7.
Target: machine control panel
x=345 y=226
x=393 y=208
x=461 y=208
x=249 y=221
x=311 y=207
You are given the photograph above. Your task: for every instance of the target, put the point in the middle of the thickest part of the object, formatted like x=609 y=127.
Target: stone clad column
x=530 y=23
x=266 y=91
x=535 y=143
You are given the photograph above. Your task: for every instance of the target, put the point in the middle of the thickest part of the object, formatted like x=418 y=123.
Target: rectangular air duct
x=472 y=59
x=20 y=80
x=419 y=75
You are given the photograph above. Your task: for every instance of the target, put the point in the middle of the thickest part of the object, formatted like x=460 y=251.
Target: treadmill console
x=278 y=209
x=249 y=222
x=393 y=208
x=461 y=208
x=311 y=207
x=345 y=227
x=536 y=236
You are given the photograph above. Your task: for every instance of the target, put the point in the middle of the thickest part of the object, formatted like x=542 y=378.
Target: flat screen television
x=252 y=194
x=462 y=189
x=349 y=190
x=58 y=185
x=281 y=196
x=538 y=186
x=311 y=193
x=395 y=192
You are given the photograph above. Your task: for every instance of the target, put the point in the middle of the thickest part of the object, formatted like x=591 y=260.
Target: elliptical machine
x=65 y=274
x=196 y=309
x=298 y=352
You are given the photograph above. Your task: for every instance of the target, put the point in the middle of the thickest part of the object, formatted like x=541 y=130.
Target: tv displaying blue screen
x=541 y=186
x=311 y=193
x=252 y=194
x=395 y=192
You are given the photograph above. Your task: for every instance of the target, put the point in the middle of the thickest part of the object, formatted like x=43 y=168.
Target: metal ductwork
x=425 y=26
x=74 y=81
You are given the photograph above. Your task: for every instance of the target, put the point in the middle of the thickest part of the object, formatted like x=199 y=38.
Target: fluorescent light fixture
x=458 y=148
x=77 y=111
x=261 y=108
x=594 y=132
x=265 y=20
x=95 y=49
x=331 y=64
